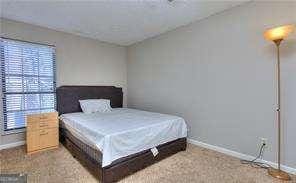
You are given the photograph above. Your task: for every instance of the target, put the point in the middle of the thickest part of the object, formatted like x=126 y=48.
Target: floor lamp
x=277 y=35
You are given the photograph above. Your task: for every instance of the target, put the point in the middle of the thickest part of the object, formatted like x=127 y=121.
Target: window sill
x=10 y=132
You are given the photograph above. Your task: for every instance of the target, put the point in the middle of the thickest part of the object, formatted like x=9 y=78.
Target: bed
x=105 y=143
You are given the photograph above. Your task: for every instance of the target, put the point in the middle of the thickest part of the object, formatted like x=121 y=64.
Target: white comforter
x=124 y=131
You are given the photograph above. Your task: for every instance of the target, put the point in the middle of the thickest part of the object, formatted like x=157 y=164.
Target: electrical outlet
x=264 y=141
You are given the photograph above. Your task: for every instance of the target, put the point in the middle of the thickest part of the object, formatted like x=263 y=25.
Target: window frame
x=4 y=129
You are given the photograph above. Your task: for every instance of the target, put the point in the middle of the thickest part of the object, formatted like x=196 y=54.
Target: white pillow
x=95 y=105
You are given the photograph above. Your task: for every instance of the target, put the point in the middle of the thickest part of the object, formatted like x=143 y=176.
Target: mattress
x=123 y=132
x=77 y=134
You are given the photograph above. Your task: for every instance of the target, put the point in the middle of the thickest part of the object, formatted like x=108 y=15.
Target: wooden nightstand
x=42 y=132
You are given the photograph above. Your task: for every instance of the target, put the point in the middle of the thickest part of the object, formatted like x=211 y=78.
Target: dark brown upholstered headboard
x=68 y=96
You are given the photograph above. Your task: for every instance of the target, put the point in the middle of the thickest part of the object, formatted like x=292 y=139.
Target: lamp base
x=279 y=174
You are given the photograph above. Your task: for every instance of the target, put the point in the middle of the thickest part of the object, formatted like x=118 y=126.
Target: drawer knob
x=44 y=133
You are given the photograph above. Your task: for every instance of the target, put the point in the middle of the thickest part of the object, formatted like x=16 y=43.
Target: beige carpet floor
x=196 y=165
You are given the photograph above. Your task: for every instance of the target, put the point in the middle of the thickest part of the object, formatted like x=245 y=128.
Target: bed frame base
x=131 y=164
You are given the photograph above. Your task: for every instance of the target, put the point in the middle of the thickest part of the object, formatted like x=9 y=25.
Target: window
x=28 y=81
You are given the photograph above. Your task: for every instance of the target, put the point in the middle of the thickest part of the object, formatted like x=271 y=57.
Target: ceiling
x=122 y=22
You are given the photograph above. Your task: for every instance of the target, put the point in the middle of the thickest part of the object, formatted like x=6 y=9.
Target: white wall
x=218 y=74
x=80 y=61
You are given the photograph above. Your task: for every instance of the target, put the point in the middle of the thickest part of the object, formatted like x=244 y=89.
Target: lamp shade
x=278 y=33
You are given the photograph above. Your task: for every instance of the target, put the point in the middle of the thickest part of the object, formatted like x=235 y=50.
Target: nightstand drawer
x=49 y=137
x=40 y=139
x=47 y=122
x=42 y=117
x=38 y=125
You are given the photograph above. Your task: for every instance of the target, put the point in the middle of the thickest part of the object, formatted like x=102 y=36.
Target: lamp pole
x=278 y=173
x=278 y=69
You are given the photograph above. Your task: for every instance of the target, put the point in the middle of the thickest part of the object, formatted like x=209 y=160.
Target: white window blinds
x=28 y=81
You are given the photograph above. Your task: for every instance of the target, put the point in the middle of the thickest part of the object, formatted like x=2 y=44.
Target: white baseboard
x=198 y=143
x=238 y=155
x=11 y=145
